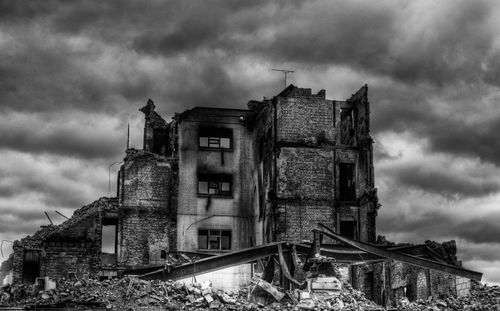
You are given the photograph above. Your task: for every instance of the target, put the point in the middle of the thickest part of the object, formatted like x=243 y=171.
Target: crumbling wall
x=300 y=154
x=394 y=280
x=144 y=222
x=264 y=176
x=71 y=249
x=305 y=120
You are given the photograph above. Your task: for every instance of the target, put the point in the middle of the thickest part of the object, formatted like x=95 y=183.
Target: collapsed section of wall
x=71 y=249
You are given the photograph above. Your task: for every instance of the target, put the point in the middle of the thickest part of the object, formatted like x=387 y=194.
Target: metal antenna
x=128 y=136
x=285 y=72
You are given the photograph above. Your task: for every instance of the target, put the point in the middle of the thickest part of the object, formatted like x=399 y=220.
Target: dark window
x=347 y=181
x=348 y=228
x=214 y=239
x=163 y=254
x=31 y=266
x=218 y=138
x=160 y=141
x=217 y=184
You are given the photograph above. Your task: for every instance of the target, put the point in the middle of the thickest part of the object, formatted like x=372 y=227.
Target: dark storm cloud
x=69 y=69
x=63 y=135
x=436 y=225
x=445 y=182
x=481 y=230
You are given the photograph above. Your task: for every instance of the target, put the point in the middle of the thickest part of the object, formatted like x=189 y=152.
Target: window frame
x=215 y=182
x=214 y=137
x=215 y=233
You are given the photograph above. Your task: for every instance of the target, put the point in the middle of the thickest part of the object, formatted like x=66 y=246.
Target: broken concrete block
x=208 y=298
x=307 y=304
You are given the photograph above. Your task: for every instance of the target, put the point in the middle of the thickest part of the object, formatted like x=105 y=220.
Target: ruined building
x=215 y=180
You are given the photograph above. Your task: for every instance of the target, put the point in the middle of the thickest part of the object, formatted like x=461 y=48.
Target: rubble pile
x=127 y=293
x=481 y=298
x=130 y=293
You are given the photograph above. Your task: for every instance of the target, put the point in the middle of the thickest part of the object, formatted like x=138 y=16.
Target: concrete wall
x=197 y=211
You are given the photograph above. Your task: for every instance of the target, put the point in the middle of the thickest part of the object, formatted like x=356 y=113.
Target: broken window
x=108 y=237
x=31 y=266
x=348 y=228
x=216 y=184
x=214 y=239
x=218 y=138
x=160 y=141
x=347 y=181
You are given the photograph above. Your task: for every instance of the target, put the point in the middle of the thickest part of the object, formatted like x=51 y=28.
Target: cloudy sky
x=74 y=73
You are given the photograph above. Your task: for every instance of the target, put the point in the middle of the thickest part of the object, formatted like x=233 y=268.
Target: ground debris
x=130 y=293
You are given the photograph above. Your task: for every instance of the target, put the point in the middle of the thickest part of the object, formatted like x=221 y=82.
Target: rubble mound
x=481 y=298
x=131 y=293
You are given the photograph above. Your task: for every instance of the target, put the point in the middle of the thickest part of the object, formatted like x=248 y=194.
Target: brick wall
x=71 y=247
x=144 y=227
x=463 y=286
x=305 y=173
x=298 y=219
x=308 y=120
x=442 y=284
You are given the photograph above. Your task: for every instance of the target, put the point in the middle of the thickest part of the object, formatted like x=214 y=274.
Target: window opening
x=108 y=237
x=348 y=228
x=217 y=138
x=347 y=181
x=214 y=184
x=214 y=239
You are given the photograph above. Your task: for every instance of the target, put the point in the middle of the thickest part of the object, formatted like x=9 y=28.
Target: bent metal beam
x=417 y=261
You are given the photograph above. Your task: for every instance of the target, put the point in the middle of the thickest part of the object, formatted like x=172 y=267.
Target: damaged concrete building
x=213 y=181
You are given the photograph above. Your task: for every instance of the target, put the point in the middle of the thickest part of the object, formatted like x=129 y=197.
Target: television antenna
x=285 y=72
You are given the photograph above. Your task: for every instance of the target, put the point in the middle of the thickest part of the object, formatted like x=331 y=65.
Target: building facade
x=214 y=180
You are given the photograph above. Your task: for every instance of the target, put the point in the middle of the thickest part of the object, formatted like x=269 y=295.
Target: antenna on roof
x=128 y=136
x=285 y=72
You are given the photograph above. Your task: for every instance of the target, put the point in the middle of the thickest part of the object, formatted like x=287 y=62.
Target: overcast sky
x=74 y=73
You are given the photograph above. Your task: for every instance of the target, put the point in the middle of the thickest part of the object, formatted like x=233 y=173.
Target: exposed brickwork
x=301 y=217
x=144 y=222
x=72 y=247
x=306 y=120
x=301 y=157
x=306 y=173
x=463 y=286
